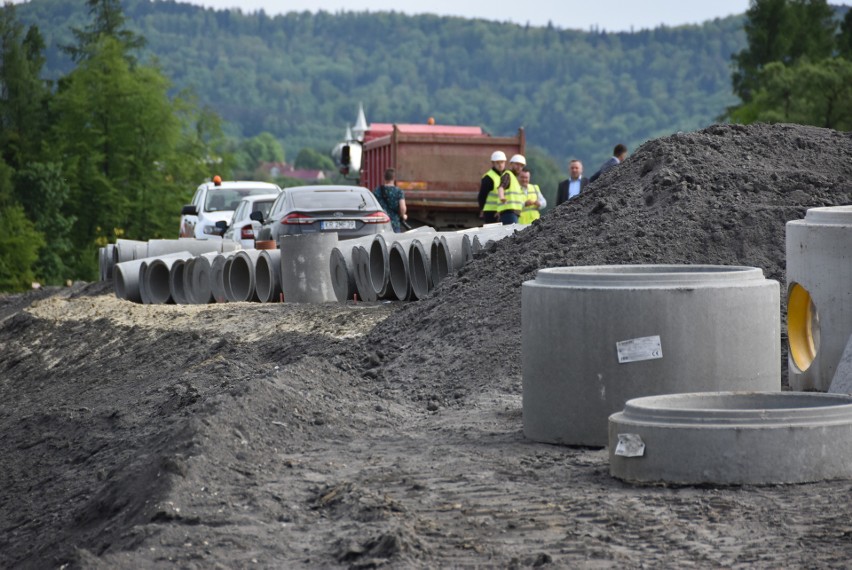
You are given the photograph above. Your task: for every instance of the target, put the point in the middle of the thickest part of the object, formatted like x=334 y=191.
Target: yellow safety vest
x=513 y=194
x=530 y=213
x=492 y=202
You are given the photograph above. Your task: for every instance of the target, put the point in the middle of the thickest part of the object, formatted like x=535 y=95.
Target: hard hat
x=498 y=155
x=519 y=158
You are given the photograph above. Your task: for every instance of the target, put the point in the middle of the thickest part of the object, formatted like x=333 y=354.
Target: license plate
x=338 y=225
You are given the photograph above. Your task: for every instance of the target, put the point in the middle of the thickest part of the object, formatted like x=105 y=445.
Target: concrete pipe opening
x=241 y=276
x=226 y=279
x=595 y=337
x=419 y=270
x=732 y=438
x=802 y=327
x=378 y=266
x=400 y=283
x=267 y=275
x=157 y=282
x=361 y=262
x=440 y=265
x=177 y=282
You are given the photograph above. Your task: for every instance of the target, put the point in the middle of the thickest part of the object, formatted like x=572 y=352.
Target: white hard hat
x=519 y=158
x=498 y=155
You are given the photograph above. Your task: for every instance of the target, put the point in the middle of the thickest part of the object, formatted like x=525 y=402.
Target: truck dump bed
x=439 y=167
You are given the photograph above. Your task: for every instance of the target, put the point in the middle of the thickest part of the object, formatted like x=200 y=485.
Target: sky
x=609 y=15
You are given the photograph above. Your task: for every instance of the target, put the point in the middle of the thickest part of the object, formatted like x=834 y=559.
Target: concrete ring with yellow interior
x=819 y=295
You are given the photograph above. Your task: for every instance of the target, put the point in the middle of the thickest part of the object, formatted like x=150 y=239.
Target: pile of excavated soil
x=722 y=195
x=389 y=434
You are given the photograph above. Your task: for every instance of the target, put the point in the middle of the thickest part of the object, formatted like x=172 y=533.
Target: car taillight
x=297 y=218
x=247 y=232
x=377 y=218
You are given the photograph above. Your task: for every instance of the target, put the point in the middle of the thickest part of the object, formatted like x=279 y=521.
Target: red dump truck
x=438 y=166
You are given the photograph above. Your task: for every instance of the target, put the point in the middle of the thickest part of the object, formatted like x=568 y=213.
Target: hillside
x=301 y=76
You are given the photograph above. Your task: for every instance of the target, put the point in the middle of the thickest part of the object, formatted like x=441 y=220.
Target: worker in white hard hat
x=509 y=192
x=489 y=205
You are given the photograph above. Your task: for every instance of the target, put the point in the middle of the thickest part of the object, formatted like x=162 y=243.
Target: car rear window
x=333 y=199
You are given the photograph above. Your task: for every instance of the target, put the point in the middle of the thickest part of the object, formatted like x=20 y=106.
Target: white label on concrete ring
x=637 y=349
x=630 y=445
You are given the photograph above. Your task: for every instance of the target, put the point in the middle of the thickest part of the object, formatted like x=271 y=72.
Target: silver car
x=242 y=229
x=350 y=211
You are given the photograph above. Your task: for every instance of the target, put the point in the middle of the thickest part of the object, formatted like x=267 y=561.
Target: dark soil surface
x=390 y=434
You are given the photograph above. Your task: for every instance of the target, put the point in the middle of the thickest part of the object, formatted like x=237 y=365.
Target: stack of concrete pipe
x=311 y=268
x=405 y=266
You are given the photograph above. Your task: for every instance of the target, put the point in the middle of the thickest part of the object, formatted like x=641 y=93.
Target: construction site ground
x=364 y=435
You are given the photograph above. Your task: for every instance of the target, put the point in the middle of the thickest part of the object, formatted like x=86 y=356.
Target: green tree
x=107 y=21
x=785 y=31
x=312 y=159
x=23 y=95
x=251 y=152
x=45 y=197
x=20 y=242
x=844 y=40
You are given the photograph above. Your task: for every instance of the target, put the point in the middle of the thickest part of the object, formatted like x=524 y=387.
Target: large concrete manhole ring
x=733 y=438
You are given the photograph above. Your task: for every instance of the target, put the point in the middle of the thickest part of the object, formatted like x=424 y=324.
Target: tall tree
x=20 y=242
x=23 y=95
x=107 y=21
x=785 y=31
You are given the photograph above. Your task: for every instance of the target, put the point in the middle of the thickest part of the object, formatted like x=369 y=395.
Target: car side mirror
x=221 y=225
x=256 y=216
x=189 y=210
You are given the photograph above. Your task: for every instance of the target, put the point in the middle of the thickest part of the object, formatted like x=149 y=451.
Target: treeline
x=797 y=66
x=100 y=153
x=301 y=76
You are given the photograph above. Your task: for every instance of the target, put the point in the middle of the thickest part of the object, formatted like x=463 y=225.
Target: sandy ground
x=390 y=434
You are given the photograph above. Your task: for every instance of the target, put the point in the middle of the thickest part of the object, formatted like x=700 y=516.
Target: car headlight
x=211 y=230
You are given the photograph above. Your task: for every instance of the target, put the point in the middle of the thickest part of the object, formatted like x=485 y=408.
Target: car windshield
x=220 y=199
x=332 y=200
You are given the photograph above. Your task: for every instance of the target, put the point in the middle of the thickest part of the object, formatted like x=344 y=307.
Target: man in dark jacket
x=573 y=185
x=619 y=153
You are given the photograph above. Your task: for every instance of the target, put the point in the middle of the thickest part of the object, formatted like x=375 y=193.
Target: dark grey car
x=350 y=211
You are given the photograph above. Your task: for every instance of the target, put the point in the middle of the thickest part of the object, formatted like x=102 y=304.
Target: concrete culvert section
x=305 y=275
x=241 y=276
x=733 y=438
x=177 y=281
x=128 y=276
x=267 y=275
x=217 y=276
x=157 y=279
x=419 y=269
x=819 y=295
x=594 y=337
x=226 y=279
x=378 y=265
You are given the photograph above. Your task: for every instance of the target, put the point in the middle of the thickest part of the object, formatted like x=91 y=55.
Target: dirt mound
x=366 y=435
x=722 y=195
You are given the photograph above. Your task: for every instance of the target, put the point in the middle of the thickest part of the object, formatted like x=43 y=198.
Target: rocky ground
x=390 y=434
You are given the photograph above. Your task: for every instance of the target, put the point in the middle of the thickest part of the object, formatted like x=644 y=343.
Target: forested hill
x=301 y=76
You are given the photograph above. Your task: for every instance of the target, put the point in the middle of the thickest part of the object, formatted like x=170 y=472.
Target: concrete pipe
x=177 y=281
x=198 y=278
x=342 y=268
x=419 y=269
x=400 y=279
x=449 y=252
x=378 y=265
x=156 y=279
x=127 y=279
x=159 y=247
x=241 y=276
x=267 y=275
x=731 y=438
x=595 y=337
x=484 y=238
x=819 y=295
x=226 y=279
x=305 y=275
x=101 y=264
x=217 y=276
x=129 y=249
x=361 y=264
